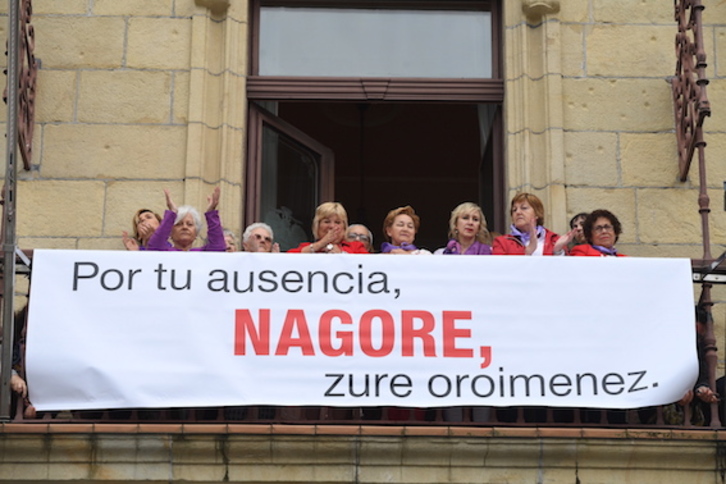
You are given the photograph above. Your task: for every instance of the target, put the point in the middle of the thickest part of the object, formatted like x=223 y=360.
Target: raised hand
x=213 y=200
x=169 y=202
x=129 y=243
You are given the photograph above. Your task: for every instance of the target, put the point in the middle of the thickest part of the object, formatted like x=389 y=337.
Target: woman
x=329 y=226
x=145 y=222
x=183 y=224
x=468 y=232
x=602 y=230
x=400 y=227
x=528 y=236
x=576 y=224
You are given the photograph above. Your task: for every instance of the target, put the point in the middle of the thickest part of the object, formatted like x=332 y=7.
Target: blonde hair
x=407 y=210
x=137 y=219
x=533 y=202
x=328 y=209
x=482 y=234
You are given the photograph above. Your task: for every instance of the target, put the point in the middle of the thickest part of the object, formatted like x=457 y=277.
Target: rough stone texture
x=72 y=42
x=124 y=97
x=591 y=159
x=159 y=43
x=628 y=12
x=108 y=151
x=133 y=8
x=66 y=7
x=56 y=103
x=608 y=47
x=649 y=160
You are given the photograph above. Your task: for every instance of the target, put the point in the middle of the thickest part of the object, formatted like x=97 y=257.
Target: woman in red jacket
x=528 y=236
x=602 y=229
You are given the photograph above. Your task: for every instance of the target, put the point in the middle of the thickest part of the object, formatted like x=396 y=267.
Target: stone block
x=200 y=449
x=159 y=43
x=100 y=243
x=60 y=7
x=716 y=92
x=187 y=9
x=253 y=450
x=180 y=98
x=70 y=449
x=625 y=11
x=573 y=51
x=198 y=473
x=617 y=104
x=591 y=159
x=649 y=159
x=80 y=42
x=56 y=96
x=60 y=208
x=669 y=216
x=611 y=51
x=107 y=151
x=124 y=97
x=133 y=8
x=574 y=12
x=130 y=472
x=620 y=201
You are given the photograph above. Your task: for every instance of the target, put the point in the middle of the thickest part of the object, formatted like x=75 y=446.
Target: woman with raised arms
x=181 y=225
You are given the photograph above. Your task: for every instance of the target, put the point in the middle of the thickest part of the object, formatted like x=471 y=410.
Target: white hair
x=185 y=210
x=248 y=231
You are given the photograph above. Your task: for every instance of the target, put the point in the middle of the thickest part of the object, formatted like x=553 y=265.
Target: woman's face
x=185 y=232
x=579 y=234
x=402 y=230
x=331 y=223
x=523 y=215
x=230 y=244
x=146 y=224
x=468 y=224
x=603 y=233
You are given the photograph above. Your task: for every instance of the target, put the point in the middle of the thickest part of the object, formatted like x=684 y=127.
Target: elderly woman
x=400 y=227
x=145 y=222
x=468 y=232
x=329 y=226
x=528 y=236
x=258 y=237
x=230 y=241
x=183 y=224
x=602 y=230
x=360 y=233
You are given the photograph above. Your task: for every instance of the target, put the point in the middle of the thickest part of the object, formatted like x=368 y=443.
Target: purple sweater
x=477 y=248
x=215 y=236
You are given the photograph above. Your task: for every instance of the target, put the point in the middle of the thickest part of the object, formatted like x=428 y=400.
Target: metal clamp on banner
x=708 y=275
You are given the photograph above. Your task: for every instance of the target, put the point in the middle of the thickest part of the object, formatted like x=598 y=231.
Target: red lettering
x=451 y=333
x=345 y=337
x=295 y=320
x=244 y=324
x=388 y=335
x=408 y=333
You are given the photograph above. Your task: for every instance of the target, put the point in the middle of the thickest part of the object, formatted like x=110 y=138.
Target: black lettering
x=119 y=280
x=592 y=379
x=292 y=277
x=335 y=283
x=406 y=384
x=447 y=382
x=459 y=381
x=365 y=391
x=474 y=389
x=377 y=283
x=527 y=379
x=566 y=383
x=338 y=376
x=324 y=275
x=618 y=381
x=77 y=275
x=187 y=285
x=640 y=374
x=222 y=279
x=250 y=285
x=160 y=272
x=272 y=282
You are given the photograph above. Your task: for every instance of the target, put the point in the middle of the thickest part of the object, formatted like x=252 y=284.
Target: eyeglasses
x=361 y=237
x=602 y=228
x=259 y=238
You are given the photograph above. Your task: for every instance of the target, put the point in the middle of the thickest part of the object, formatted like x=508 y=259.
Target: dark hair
x=596 y=214
x=582 y=215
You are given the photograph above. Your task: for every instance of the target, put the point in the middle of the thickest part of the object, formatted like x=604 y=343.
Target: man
x=258 y=237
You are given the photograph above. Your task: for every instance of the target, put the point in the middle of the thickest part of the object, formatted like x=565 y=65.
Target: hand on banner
x=18 y=385
x=707 y=395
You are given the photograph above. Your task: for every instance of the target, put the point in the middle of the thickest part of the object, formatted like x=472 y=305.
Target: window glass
x=375 y=43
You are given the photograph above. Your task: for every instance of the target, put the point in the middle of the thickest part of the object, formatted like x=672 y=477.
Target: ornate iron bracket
x=28 y=74
x=689 y=84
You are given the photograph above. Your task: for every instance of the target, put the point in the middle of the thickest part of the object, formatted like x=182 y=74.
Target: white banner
x=156 y=329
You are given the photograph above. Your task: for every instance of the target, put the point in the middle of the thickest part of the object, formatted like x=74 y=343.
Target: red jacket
x=511 y=245
x=353 y=247
x=588 y=250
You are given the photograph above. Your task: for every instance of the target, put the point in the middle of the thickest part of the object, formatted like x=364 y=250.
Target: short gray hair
x=248 y=231
x=185 y=210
